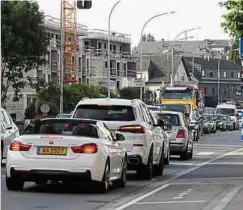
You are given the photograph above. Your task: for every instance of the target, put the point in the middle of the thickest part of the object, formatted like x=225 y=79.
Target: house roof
x=183 y=47
x=159 y=66
x=212 y=64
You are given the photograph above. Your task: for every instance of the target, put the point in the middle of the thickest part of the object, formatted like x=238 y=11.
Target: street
x=212 y=180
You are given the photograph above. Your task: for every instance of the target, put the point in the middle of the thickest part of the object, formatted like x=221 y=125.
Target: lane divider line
x=128 y=201
x=228 y=198
x=168 y=202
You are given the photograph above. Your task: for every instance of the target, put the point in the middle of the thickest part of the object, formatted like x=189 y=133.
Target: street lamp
x=108 y=48
x=141 y=48
x=172 y=52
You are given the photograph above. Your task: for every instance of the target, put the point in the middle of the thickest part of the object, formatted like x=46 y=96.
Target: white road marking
x=204 y=153
x=229 y=197
x=168 y=202
x=165 y=184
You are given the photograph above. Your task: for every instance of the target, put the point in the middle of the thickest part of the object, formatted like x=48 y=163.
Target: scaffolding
x=69 y=40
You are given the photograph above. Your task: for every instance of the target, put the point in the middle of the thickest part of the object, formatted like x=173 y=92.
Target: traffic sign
x=84 y=4
x=238 y=91
x=45 y=108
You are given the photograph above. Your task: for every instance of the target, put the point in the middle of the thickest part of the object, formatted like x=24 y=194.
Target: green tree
x=24 y=43
x=148 y=38
x=232 y=23
x=148 y=97
x=72 y=94
x=129 y=93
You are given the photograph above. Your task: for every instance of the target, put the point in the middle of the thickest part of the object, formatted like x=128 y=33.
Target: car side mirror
x=160 y=123
x=119 y=137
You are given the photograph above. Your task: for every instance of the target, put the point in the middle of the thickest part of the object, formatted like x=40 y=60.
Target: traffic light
x=84 y=4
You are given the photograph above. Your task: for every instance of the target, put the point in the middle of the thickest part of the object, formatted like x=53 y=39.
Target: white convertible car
x=67 y=150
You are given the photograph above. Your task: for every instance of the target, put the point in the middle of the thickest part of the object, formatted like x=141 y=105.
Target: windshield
x=219 y=117
x=175 y=94
x=105 y=113
x=63 y=127
x=173 y=119
x=226 y=111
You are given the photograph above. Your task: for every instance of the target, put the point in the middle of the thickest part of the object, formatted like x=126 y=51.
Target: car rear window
x=173 y=119
x=63 y=127
x=105 y=113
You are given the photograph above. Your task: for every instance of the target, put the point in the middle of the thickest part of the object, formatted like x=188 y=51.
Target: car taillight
x=18 y=146
x=86 y=148
x=131 y=129
x=181 y=134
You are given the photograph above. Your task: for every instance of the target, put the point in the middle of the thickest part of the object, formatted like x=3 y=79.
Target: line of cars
x=101 y=141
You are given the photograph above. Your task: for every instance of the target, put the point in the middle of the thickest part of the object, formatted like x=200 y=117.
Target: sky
x=129 y=17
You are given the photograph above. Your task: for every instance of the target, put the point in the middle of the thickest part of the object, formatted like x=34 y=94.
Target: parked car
x=181 y=142
x=221 y=122
x=206 y=124
x=68 y=150
x=9 y=131
x=165 y=131
x=212 y=124
x=143 y=142
x=229 y=123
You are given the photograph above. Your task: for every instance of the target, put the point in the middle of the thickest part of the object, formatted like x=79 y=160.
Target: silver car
x=181 y=142
x=8 y=131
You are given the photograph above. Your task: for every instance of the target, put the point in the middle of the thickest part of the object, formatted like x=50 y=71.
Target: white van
x=231 y=110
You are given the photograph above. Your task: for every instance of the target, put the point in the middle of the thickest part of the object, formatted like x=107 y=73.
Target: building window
x=238 y=75
x=205 y=91
x=213 y=91
x=118 y=69
x=232 y=74
x=125 y=69
x=28 y=101
x=105 y=45
x=203 y=73
x=106 y=64
x=114 y=48
x=225 y=74
x=211 y=74
x=79 y=64
x=87 y=65
x=182 y=78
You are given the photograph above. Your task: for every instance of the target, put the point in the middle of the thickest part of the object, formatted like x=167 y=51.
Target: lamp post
x=172 y=52
x=141 y=48
x=108 y=48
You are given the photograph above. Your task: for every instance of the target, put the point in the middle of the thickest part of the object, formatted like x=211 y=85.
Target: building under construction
x=91 y=57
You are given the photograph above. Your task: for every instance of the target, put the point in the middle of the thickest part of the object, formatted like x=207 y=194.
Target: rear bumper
x=46 y=175
x=134 y=162
x=176 y=148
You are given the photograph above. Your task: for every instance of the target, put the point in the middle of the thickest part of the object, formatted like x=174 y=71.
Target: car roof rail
x=136 y=99
x=84 y=98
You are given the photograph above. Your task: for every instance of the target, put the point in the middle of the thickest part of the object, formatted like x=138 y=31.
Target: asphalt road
x=212 y=180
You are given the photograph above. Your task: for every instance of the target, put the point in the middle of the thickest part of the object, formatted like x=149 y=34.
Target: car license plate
x=52 y=151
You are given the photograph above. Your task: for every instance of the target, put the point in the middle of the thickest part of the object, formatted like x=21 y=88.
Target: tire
x=103 y=186
x=185 y=155
x=167 y=159
x=190 y=154
x=146 y=172
x=14 y=184
x=159 y=169
x=122 y=181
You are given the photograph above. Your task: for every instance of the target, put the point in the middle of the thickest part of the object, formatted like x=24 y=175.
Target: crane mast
x=69 y=41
